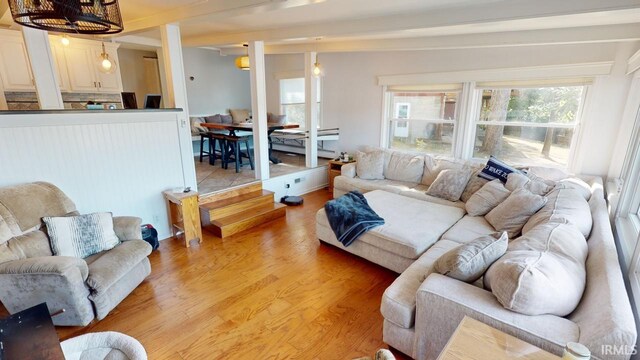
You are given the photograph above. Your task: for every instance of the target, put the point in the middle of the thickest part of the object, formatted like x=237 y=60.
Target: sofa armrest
x=443 y=302
x=348 y=170
x=127 y=227
x=53 y=265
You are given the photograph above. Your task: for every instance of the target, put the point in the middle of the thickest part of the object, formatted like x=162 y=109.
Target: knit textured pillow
x=81 y=236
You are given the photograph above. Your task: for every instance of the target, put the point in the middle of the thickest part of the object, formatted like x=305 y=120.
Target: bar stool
x=203 y=153
x=232 y=147
x=217 y=139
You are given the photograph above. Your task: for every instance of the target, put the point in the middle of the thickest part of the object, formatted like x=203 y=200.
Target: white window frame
x=389 y=116
x=296 y=75
x=396 y=113
x=575 y=138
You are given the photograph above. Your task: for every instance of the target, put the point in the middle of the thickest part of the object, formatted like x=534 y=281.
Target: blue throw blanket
x=351 y=216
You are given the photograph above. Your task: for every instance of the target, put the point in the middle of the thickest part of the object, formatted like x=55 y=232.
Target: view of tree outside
x=430 y=120
x=528 y=144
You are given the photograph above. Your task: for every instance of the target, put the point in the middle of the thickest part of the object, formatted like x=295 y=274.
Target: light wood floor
x=270 y=293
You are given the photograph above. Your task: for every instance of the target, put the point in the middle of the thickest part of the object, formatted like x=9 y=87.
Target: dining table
x=271 y=127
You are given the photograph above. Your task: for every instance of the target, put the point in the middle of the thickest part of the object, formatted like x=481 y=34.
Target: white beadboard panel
x=104 y=162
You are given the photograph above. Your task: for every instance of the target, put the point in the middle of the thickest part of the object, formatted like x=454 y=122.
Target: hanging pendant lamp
x=69 y=16
x=106 y=64
x=242 y=62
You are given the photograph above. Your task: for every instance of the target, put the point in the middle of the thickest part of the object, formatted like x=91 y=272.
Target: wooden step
x=229 y=193
x=236 y=223
x=234 y=205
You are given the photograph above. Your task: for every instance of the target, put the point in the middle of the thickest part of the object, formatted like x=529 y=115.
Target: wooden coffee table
x=474 y=340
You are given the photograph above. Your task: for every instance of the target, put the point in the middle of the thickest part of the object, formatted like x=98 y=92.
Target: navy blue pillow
x=496 y=169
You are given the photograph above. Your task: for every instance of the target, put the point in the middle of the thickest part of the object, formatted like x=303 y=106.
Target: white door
x=108 y=82
x=81 y=66
x=14 y=64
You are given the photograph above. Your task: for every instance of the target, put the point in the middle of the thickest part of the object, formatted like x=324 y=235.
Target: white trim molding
x=563 y=71
x=633 y=63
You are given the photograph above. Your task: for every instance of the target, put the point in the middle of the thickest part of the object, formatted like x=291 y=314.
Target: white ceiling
x=226 y=24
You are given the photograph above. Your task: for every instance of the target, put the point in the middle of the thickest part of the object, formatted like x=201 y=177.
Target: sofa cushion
x=347 y=184
x=82 y=235
x=196 y=127
x=535 y=184
x=543 y=272
x=497 y=169
x=487 y=198
x=469 y=262
x=468 y=228
x=239 y=116
x=433 y=167
x=226 y=119
x=563 y=203
x=370 y=165
x=404 y=167
x=28 y=245
x=420 y=192
x=399 y=299
x=405 y=231
x=578 y=185
x=449 y=184
x=515 y=211
x=474 y=184
x=548 y=173
x=106 y=269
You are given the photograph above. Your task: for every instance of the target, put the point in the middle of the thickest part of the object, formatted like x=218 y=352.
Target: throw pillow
x=370 y=165
x=239 y=116
x=196 y=128
x=450 y=184
x=543 y=272
x=548 y=173
x=496 y=169
x=213 y=119
x=404 y=167
x=433 y=167
x=226 y=119
x=515 y=211
x=487 y=198
x=535 y=184
x=81 y=236
x=579 y=185
x=563 y=203
x=469 y=262
x=474 y=184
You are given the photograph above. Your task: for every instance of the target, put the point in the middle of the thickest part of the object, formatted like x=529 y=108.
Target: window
x=423 y=119
x=531 y=126
x=292 y=101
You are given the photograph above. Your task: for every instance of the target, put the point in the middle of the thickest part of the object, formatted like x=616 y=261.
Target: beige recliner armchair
x=84 y=288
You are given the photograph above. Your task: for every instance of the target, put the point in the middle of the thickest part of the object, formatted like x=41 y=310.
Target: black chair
x=233 y=153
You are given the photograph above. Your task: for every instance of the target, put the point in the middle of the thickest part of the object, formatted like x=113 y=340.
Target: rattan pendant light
x=69 y=16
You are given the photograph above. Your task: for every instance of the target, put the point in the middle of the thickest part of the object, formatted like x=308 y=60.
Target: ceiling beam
x=581 y=35
x=211 y=10
x=472 y=14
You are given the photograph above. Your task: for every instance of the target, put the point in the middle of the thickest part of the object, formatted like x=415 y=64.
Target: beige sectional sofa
x=422 y=308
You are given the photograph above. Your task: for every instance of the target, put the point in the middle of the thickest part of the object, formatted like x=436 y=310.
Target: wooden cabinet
x=335 y=168
x=82 y=67
x=15 y=69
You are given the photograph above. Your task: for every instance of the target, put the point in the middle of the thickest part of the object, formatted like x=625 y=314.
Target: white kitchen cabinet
x=15 y=69
x=82 y=67
x=60 y=66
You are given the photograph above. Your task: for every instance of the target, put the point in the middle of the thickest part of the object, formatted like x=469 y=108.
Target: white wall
x=133 y=73
x=353 y=101
x=218 y=84
x=104 y=161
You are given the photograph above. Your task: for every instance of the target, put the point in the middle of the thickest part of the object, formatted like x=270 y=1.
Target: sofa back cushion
x=535 y=184
x=370 y=165
x=543 y=271
x=515 y=211
x=563 y=203
x=23 y=206
x=474 y=184
x=404 y=167
x=213 y=119
x=449 y=184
